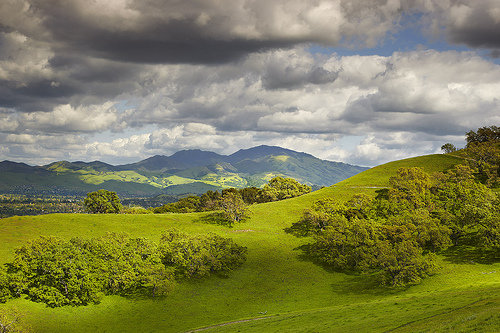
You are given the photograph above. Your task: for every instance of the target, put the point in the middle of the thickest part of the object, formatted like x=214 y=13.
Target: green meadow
x=276 y=289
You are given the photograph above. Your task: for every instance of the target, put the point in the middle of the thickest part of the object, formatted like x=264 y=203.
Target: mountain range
x=186 y=171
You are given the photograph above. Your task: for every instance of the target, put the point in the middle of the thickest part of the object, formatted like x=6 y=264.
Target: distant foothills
x=185 y=172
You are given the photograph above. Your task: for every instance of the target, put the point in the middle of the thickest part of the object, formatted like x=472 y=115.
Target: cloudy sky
x=363 y=82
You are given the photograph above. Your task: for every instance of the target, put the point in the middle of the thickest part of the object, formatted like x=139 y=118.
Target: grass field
x=276 y=290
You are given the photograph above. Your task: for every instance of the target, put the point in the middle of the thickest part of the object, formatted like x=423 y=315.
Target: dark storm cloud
x=174 y=42
x=475 y=23
x=161 y=32
x=196 y=31
x=34 y=96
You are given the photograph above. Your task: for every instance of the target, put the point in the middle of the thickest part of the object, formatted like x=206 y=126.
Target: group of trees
x=482 y=153
x=278 y=188
x=15 y=204
x=82 y=271
x=232 y=202
x=396 y=234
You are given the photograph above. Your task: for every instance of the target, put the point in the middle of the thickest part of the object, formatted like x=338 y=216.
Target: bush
x=136 y=210
x=185 y=205
x=201 y=255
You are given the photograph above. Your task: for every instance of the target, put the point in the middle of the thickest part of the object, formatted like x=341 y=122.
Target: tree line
x=231 y=202
x=278 y=188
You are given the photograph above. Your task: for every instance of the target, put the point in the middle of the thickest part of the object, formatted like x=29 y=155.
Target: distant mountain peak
x=186 y=170
x=263 y=151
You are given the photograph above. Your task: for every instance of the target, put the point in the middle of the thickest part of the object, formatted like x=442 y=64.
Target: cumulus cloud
x=57 y=52
x=65 y=118
x=227 y=75
x=415 y=94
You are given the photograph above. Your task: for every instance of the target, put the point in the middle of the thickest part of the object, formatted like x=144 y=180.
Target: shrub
x=200 y=255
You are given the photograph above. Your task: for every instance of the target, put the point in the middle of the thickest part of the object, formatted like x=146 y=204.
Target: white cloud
x=65 y=118
x=223 y=108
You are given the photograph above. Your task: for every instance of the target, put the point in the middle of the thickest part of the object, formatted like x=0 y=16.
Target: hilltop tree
x=280 y=188
x=483 y=134
x=448 y=148
x=102 y=201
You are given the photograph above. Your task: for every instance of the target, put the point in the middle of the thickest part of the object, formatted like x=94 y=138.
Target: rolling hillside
x=189 y=171
x=276 y=290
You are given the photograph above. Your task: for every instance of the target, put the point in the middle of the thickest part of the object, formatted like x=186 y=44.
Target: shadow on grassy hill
x=217 y=218
x=354 y=282
x=469 y=255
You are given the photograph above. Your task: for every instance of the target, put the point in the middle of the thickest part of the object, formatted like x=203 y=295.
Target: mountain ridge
x=192 y=171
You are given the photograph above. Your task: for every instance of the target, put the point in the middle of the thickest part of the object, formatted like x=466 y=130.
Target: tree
x=280 y=188
x=484 y=158
x=410 y=188
x=210 y=200
x=422 y=228
x=189 y=204
x=402 y=263
x=102 y=201
x=81 y=271
x=483 y=134
x=346 y=245
x=5 y=293
x=200 y=255
x=467 y=204
x=57 y=273
x=251 y=195
x=322 y=214
x=233 y=207
x=131 y=265
x=448 y=148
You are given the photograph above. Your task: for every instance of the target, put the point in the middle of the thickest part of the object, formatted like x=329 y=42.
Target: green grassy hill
x=276 y=290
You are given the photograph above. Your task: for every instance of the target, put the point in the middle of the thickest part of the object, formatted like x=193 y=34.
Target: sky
x=360 y=82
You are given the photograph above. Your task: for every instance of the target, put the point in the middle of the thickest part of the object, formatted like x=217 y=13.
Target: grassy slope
x=297 y=295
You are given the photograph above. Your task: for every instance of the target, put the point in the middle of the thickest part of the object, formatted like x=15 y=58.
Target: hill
x=187 y=171
x=276 y=290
